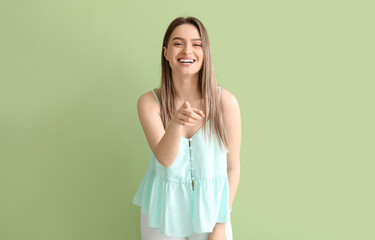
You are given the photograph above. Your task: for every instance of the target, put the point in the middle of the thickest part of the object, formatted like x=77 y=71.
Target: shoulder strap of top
x=156 y=97
x=219 y=92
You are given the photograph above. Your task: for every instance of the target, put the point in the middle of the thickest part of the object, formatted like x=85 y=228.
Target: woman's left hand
x=217 y=234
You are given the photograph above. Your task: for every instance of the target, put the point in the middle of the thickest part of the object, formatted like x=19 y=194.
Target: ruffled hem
x=177 y=210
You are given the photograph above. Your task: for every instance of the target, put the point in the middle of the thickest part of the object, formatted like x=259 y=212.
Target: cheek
x=171 y=54
x=201 y=55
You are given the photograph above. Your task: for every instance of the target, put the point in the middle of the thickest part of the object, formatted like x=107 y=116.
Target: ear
x=165 y=53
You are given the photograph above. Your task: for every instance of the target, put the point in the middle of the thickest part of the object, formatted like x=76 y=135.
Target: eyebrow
x=179 y=38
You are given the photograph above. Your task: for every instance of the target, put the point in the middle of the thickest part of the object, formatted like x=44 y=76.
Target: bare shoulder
x=147 y=102
x=228 y=101
x=231 y=113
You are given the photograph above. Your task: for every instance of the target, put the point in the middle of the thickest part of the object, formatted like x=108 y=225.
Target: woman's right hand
x=187 y=115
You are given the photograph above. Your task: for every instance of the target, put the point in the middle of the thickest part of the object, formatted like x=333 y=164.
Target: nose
x=187 y=49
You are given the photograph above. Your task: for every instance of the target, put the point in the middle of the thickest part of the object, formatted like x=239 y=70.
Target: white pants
x=149 y=233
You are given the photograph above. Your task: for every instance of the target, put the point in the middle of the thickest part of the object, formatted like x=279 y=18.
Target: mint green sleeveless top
x=190 y=196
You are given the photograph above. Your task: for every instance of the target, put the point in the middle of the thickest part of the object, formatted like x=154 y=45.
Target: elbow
x=162 y=161
x=165 y=164
x=235 y=167
x=168 y=166
x=238 y=169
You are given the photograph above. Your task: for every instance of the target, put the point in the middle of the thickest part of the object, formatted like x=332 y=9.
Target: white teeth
x=186 y=60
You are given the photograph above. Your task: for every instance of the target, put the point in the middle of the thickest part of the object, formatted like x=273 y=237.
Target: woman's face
x=185 y=44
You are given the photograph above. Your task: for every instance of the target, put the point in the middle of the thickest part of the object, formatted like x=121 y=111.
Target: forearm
x=234 y=180
x=168 y=146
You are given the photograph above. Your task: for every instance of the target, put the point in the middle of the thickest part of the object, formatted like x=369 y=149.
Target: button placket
x=191 y=164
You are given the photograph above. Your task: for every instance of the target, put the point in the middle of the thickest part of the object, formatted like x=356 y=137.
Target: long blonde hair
x=207 y=84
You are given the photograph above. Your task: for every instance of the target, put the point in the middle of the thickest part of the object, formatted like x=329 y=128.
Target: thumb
x=187 y=104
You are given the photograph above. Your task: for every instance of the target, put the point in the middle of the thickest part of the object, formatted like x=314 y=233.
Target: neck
x=186 y=87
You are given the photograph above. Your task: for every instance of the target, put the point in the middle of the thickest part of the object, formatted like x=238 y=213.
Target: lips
x=186 y=60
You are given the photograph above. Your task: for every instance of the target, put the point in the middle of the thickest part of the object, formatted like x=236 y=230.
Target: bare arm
x=232 y=121
x=163 y=143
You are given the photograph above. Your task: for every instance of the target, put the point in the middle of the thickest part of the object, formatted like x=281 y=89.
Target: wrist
x=175 y=125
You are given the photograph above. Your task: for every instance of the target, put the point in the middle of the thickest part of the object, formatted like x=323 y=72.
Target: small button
x=192 y=178
x=192 y=169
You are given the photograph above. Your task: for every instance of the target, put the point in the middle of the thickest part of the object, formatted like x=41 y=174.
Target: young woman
x=193 y=128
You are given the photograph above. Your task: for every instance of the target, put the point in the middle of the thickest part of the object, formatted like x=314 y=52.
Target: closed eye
x=193 y=44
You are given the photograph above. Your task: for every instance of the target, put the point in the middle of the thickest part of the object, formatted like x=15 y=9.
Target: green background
x=73 y=153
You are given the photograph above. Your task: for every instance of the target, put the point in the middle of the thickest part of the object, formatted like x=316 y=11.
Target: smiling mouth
x=186 y=61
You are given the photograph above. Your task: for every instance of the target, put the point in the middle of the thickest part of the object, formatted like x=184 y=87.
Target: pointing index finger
x=199 y=112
